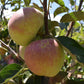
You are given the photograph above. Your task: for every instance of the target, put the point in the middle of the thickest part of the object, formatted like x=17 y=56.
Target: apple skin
x=21 y=51
x=24 y=25
x=44 y=57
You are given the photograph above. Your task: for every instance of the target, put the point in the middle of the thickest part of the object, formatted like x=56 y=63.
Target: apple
x=44 y=57
x=21 y=51
x=24 y=25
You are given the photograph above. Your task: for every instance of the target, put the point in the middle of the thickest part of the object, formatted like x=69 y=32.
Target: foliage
x=13 y=67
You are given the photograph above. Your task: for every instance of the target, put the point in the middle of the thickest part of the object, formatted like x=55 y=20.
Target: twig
x=45 y=17
x=3 y=7
x=80 y=5
x=44 y=79
x=9 y=48
x=41 y=2
x=11 y=51
x=72 y=23
x=70 y=28
x=48 y=6
x=2 y=10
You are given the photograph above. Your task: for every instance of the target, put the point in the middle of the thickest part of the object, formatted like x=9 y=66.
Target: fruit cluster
x=43 y=57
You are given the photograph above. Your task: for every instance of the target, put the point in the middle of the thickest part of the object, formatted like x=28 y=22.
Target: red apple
x=44 y=57
x=24 y=25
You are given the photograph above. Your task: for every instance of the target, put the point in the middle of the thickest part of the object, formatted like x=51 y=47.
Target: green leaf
x=63 y=25
x=72 y=2
x=15 y=9
x=52 y=25
x=77 y=25
x=73 y=16
x=9 y=71
x=73 y=47
x=27 y=2
x=3 y=1
x=37 y=7
x=60 y=10
x=4 y=33
x=60 y=2
x=53 y=32
x=13 y=2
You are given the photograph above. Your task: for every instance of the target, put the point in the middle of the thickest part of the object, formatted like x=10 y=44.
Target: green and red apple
x=44 y=57
x=24 y=25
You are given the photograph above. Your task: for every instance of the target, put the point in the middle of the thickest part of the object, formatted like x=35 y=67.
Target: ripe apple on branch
x=43 y=57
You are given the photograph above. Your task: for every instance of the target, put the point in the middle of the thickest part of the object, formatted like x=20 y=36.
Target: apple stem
x=45 y=17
